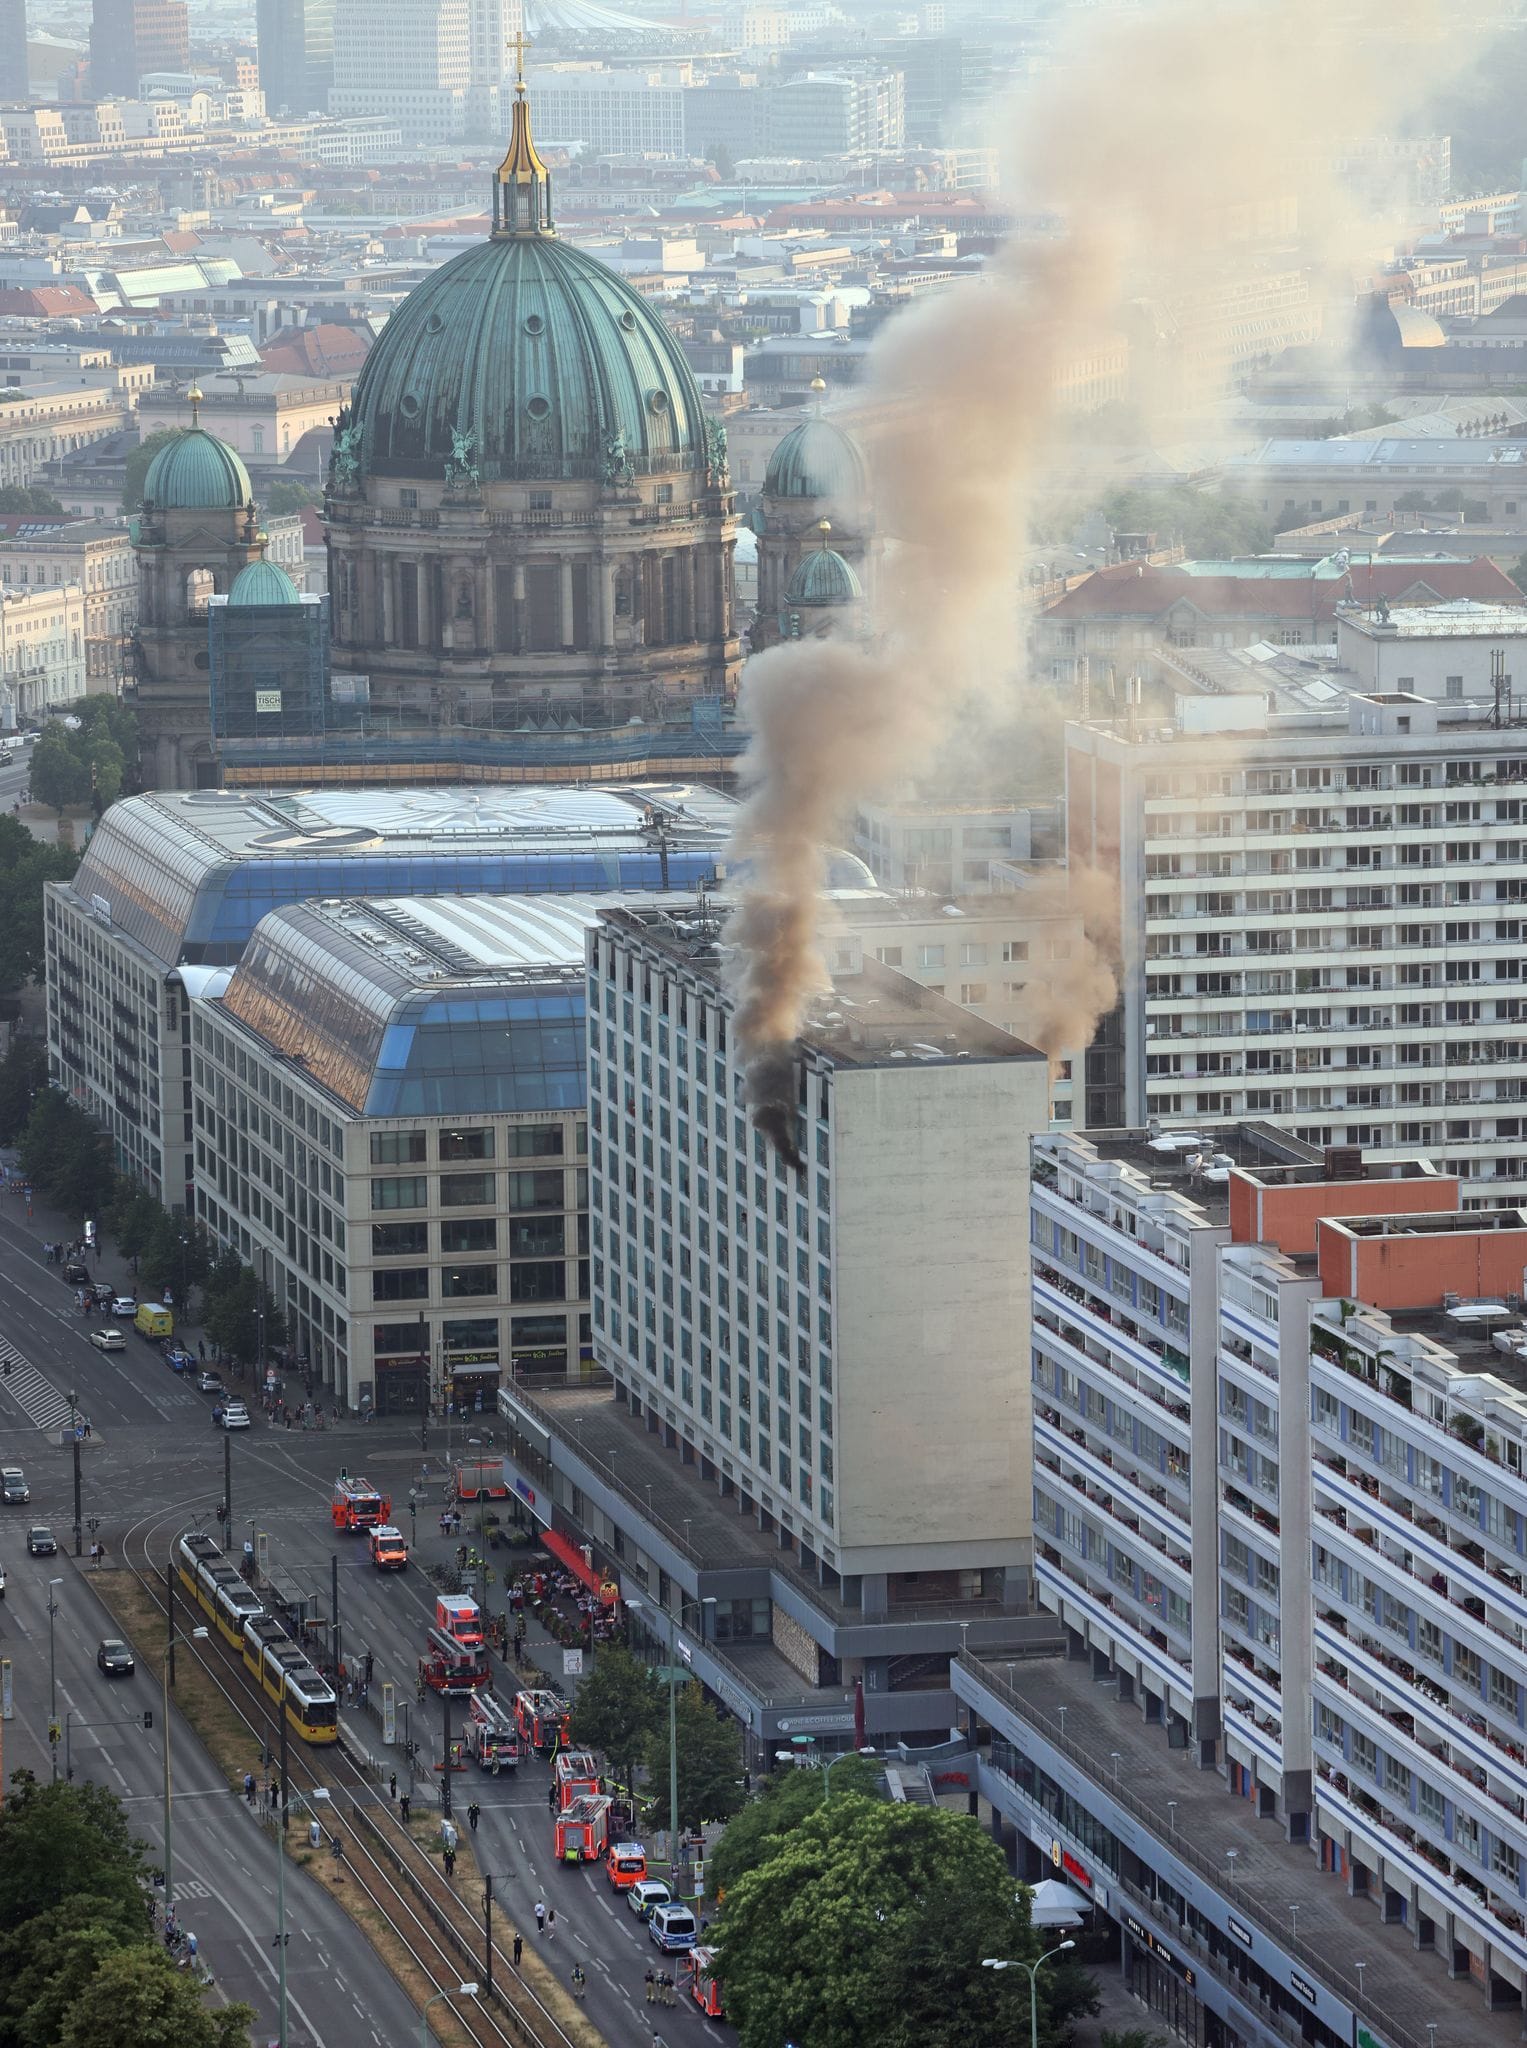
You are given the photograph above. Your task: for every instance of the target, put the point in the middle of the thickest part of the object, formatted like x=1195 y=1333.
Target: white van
x=673 y=1928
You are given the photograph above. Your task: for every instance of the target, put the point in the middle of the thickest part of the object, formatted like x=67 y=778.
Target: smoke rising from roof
x=1145 y=142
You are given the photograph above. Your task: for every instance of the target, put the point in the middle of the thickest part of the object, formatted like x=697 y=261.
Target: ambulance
x=389 y=1553
x=458 y=1615
x=625 y=1864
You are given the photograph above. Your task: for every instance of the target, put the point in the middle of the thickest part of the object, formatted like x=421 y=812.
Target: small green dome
x=823 y=577
x=263 y=582
x=817 y=460
x=197 y=471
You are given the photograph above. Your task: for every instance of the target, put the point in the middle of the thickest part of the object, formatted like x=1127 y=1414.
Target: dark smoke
x=771 y=1090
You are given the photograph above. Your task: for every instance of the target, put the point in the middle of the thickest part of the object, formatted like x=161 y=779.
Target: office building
x=835 y=113
x=296 y=49
x=388 y=1101
x=131 y=37
x=1297 y=1791
x=809 y=1448
x=15 y=84
x=171 y=881
x=1320 y=920
x=406 y=60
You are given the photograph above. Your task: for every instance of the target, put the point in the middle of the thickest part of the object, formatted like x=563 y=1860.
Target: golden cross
x=519 y=42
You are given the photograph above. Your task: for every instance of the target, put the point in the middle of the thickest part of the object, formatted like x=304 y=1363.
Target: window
x=1014 y=950
x=535 y=1190
x=972 y=991
x=460 y=1282
x=400 y=1283
x=409 y=500
x=542 y=1281
x=465 y=1190
x=395 y=1240
x=540 y=501
x=888 y=956
x=469 y=1234
x=537 y=1237
x=972 y=955
x=930 y=956
x=397 y=1148
x=1430 y=1804
x=466 y=1145
x=400 y=1191
x=536 y=1141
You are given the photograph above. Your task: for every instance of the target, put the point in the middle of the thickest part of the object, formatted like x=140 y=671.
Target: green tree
x=1518 y=572
x=138 y=1999
x=62 y=1843
x=138 y=460
x=134 y=1218
x=286 y=494
x=725 y=163
x=619 y=1703
x=710 y=1763
x=22 y=1072
x=1209 y=524
x=30 y=498
x=67 y=1157
x=59 y=773
x=232 y=1311
x=176 y=1257
x=25 y=865
x=870 y=1924
x=760 y=1829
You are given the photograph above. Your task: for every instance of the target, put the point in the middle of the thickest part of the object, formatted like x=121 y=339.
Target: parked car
x=40 y=1543
x=208 y=1383
x=646 y=1895
x=76 y=1274
x=109 y=1339
x=178 y=1359
x=230 y=1415
x=14 y=1490
x=115 y=1658
x=673 y=1927
x=124 y=1305
x=2 y=1581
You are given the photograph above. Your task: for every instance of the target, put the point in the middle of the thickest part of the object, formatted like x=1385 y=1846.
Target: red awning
x=572 y=1557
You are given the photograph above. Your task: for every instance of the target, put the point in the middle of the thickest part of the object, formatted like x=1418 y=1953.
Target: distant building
x=130 y=37
x=97 y=557
x=409 y=60
x=14 y=81
x=42 y=650
x=831 y=113
x=1296 y=481
x=296 y=43
x=269 y=651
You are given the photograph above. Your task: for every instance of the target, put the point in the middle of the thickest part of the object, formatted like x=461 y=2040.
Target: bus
x=453 y=1669
x=357 y=1504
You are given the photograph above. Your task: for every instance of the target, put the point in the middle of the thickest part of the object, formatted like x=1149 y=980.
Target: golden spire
x=194 y=394
x=824 y=527
x=522 y=187
x=818 y=386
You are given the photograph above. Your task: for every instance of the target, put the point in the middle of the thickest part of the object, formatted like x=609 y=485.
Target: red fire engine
x=704 y=1987
x=358 y=1505
x=583 y=1831
x=453 y=1668
x=576 y=1775
x=490 y=1734
x=545 y=1719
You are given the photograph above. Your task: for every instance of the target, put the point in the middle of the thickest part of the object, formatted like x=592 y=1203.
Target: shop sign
x=1239 y=1931
x=1154 y=1945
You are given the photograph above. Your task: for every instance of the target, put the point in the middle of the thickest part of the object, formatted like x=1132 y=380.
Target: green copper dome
x=817 y=460
x=525 y=358
x=263 y=582
x=822 y=577
x=196 y=470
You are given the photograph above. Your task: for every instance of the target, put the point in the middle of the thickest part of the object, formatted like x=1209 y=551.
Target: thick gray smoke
x=1143 y=144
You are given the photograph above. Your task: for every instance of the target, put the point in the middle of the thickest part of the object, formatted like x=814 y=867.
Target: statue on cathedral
x=718 y=467
x=345 y=462
x=617 y=461
x=460 y=470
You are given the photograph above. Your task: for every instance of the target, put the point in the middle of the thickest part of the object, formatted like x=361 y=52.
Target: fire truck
x=575 y=1773
x=701 y=1965
x=491 y=1735
x=358 y=1505
x=459 y=1616
x=389 y=1553
x=544 y=1719
x=451 y=1668
x=583 y=1830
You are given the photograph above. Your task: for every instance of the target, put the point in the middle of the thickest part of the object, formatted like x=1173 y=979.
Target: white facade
x=1447 y=652
x=612 y=113
x=843 y=1346
x=100 y=561
x=42 y=649
x=405 y=60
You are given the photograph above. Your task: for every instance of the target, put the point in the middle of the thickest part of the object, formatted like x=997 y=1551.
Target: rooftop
x=1197 y=1163
x=1463 y=615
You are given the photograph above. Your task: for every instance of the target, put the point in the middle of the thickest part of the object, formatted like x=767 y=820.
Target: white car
x=231 y=1415
x=124 y=1305
x=108 y=1340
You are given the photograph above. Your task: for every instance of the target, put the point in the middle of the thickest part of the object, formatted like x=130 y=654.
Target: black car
x=76 y=1275
x=115 y=1658
x=41 y=1543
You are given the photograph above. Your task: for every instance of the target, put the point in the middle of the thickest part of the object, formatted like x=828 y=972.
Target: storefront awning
x=572 y=1557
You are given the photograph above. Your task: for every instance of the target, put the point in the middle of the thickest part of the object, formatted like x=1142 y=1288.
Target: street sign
x=389 y=1711
x=572 y=1663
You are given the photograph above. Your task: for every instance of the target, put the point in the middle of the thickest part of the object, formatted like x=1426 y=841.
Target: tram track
x=440 y=1937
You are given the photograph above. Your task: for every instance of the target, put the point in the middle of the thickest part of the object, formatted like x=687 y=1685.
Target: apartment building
x=387 y=1097
x=45 y=424
x=97 y=557
x=810 y=1450
x=1299 y=1796
x=404 y=60
x=42 y=650
x=1320 y=922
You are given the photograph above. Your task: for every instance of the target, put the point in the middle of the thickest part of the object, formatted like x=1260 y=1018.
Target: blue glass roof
x=474 y=1055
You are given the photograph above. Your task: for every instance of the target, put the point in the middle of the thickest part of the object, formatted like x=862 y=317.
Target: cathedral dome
x=196 y=471
x=263 y=582
x=540 y=354
x=817 y=460
x=823 y=577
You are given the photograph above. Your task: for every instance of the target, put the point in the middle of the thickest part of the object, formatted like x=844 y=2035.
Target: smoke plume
x=1143 y=142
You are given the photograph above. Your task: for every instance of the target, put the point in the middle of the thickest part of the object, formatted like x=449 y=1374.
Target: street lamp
x=197 y=1635
x=1033 y=1969
x=296 y=1799
x=459 y=1991
x=53 y=1677
x=673 y=1746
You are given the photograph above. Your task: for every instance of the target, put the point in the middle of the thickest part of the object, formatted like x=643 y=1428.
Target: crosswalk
x=38 y=1399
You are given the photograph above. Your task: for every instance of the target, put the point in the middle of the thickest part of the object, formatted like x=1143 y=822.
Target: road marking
x=37 y=1398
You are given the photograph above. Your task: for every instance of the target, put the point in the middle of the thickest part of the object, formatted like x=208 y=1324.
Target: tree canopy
x=89 y=762
x=618 y=1704
x=25 y=865
x=784 y=1801
x=234 y=1303
x=30 y=498
x=1209 y=524
x=22 y=1072
x=870 y=1921
x=290 y=494
x=710 y=1762
x=67 y=1157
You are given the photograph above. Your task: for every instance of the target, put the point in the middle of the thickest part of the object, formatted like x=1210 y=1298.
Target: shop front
x=401 y=1368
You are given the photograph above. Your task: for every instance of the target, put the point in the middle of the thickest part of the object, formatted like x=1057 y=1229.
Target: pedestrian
x=270 y=1795
x=651 y=1983
x=540 y=1916
x=450 y=1862
x=288 y=1418
x=95 y=1557
x=473 y=1812
x=519 y=1946
x=392 y=1786
x=445 y=1525
x=201 y=1350
x=551 y=1923
x=249 y=1787
x=87 y=1429
x=551 y=1797
x=404 y=1805
x=578 y=1980
x=461 y=1557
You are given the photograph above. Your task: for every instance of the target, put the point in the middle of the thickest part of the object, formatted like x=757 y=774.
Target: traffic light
x=148 y=1717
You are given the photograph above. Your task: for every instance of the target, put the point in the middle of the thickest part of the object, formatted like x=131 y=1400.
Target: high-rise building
x=409 y=60
x=1286 y=1756
x=834 y=113
x=296 y=44
x=15 y=85
x=1321 y=921
x=131 y=37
